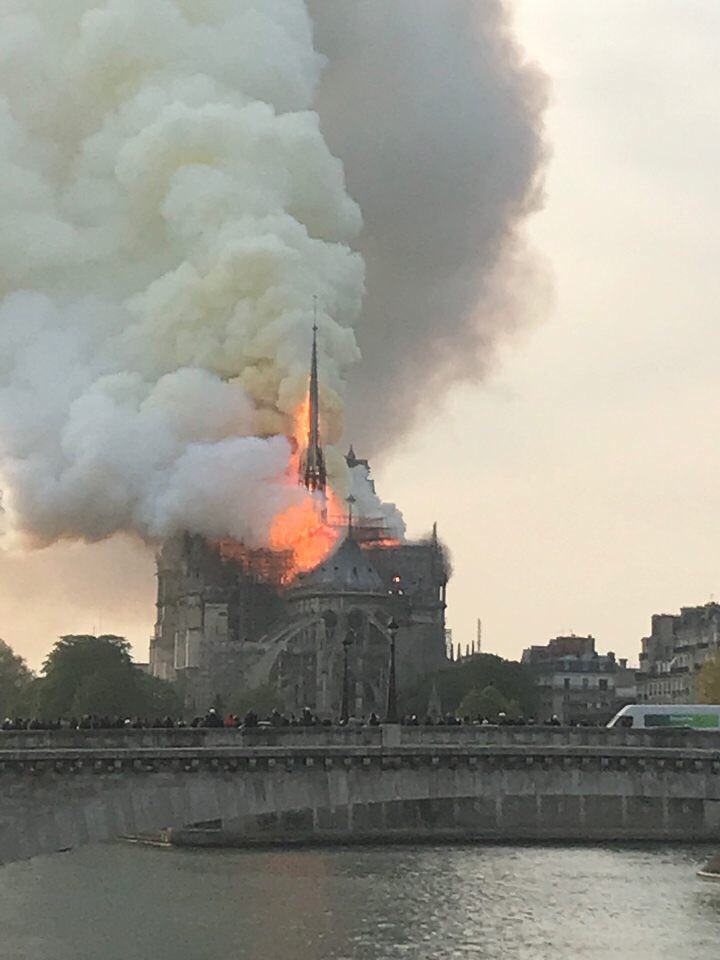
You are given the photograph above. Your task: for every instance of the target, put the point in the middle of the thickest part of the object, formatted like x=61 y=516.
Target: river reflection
x=454 y=903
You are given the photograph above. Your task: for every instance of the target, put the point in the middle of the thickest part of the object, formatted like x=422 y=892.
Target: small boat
x=711 y=870
x=156 y=840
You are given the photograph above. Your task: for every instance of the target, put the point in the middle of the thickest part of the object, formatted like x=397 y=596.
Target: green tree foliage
x=513 y=680
x=513 y=710
x=486 y=704
x=709 y=681
x=470 y=704
x=16 y=683
x=96 y=675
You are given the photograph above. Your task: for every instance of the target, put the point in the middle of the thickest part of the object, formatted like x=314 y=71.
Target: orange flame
x=384 y=543
x=303 y=529
x=301 y=423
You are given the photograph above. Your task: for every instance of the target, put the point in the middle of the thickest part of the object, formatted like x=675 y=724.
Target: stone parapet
x=364 y=736
x=147 y=759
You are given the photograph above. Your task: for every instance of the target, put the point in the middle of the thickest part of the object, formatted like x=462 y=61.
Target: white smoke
x=168 y=210
x=367 y=503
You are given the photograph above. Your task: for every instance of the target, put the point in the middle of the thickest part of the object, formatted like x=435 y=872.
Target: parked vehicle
x=680 y=716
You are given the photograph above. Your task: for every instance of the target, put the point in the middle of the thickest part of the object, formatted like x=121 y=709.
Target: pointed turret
x=434 y=709
x=314 y=474
x=351 y=501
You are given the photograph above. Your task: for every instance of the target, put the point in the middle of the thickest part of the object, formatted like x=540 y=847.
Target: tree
x=709 y=681
x=486 y=703
x=86 y=674
x=96 y=675
x=513 y=710
x=454 y=682
x=16 y=683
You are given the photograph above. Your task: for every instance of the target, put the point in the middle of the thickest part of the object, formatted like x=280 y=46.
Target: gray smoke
x=168 y=208
x=438 y=119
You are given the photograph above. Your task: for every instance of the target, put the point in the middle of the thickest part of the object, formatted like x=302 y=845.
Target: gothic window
x=330 y=619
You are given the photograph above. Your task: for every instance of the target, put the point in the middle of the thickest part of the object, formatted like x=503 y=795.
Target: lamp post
x=345 y=703
x=391 y=714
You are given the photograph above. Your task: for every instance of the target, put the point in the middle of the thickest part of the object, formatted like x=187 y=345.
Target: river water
x=121 y=902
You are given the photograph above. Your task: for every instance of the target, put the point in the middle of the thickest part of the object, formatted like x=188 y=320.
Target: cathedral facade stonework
x=227 y=622
x=231 y=620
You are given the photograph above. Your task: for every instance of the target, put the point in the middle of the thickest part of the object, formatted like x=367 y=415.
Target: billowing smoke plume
x=168 y=210
x=439 y=122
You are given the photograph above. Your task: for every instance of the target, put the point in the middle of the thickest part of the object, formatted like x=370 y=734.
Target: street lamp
x=345 y=704
x=391 y=714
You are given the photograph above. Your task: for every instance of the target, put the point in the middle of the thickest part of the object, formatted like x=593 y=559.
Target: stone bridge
x=215 y=787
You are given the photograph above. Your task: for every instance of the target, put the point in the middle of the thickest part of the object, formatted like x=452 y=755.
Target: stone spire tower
x=314 y=474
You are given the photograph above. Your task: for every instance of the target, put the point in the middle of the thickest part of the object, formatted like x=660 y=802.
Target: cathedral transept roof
x=347 y=570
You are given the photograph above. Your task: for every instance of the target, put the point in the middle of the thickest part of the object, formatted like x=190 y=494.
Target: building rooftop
x=347 y=570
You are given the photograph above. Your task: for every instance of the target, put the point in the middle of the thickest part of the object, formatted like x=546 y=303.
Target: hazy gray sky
x=577 y=488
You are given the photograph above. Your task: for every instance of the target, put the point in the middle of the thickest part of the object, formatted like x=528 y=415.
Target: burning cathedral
x=232 y=619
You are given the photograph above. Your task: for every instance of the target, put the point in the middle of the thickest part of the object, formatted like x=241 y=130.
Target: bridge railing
x=393 y=736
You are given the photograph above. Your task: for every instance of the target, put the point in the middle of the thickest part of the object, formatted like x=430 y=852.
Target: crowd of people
x=214 y=719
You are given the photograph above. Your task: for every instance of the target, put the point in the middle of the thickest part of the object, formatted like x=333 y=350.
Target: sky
x=577 y=485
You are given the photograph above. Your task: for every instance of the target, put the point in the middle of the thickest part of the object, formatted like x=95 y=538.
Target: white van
x=663 y=716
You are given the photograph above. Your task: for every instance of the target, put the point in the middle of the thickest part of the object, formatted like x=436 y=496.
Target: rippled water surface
x=456 y=903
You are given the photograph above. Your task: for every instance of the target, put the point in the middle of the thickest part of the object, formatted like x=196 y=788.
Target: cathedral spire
x=314 y=474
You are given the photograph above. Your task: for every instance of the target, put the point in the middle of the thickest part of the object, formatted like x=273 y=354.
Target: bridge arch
x=459 y=789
